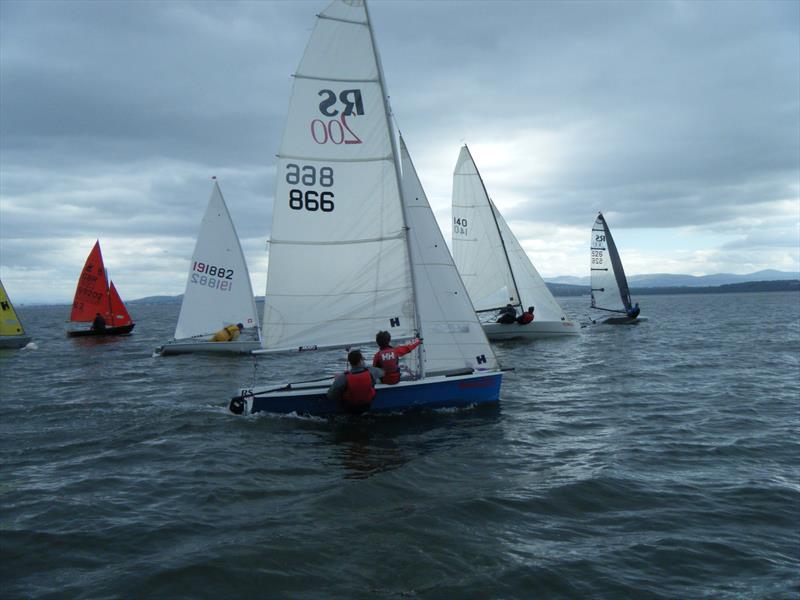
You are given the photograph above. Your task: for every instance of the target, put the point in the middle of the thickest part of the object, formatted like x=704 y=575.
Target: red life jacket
x=525 y=318
x=359 y=390
x=388 y=360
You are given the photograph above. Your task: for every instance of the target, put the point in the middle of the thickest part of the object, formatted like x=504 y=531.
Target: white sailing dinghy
x=355 y=247
x=609 y=285
x=218 y=289
x=12 y=333
x=493 y=265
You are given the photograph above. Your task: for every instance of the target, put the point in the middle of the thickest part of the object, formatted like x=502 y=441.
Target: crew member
x=633 y=311
x=99 y=323
x=228 y=334
x=388 y=358
x=526 y=317
x=355 y=388
x=508 y=315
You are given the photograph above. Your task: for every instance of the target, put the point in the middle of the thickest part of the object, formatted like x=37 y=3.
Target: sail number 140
x=310 y=200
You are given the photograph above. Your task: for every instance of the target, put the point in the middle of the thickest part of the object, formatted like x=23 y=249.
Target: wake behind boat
x=218 y=290
x=494 y=267
x=12 y=333
x=355 y=247
x=97 y=302
x=610 y=290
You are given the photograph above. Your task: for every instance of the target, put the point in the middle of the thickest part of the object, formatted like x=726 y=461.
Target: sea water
x=656 y=460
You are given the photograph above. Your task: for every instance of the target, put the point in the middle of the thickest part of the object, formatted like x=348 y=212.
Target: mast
x=396 y=157
x=108 y=289
x=497 y=226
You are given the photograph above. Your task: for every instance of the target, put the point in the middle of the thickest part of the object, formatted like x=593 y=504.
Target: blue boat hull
x=430 y=393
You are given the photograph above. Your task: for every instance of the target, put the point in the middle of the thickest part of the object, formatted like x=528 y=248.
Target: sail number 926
x=310 y=200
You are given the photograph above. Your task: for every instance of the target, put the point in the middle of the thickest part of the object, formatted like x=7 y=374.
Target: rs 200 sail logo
x=335 y=108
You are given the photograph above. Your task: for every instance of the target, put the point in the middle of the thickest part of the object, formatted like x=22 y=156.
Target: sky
x=679 y=120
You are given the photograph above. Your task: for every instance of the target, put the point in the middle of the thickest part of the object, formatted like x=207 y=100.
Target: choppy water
x=652 y=461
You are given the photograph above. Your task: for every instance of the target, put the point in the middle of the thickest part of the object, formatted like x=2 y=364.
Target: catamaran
x=12 y=333
x=95 y=296
x=495 y=269
x=609 y=286
x=355 y=248
x=218 y=289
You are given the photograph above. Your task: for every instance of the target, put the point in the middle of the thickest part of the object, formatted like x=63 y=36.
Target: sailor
x=99 y=323
x=388 y=358
x=228 y=334
x=508 y=315
x=526 y=317
x=633 y=311
x=355 y=388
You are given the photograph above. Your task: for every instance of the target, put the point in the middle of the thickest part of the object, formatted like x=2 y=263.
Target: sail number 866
x=310 y=200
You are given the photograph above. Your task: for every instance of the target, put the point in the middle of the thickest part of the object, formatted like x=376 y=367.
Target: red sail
x=119 y=314
x=91 y=296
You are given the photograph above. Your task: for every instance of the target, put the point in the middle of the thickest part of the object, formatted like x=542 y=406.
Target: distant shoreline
x=565 y=290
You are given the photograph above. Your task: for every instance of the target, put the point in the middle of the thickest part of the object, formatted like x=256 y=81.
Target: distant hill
x=158 y=300
x=790 y=285
x=670 y=280
x=566 y=290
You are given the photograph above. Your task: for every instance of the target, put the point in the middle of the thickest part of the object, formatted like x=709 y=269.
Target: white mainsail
x=453 y=336
x=477 y=245
x=609 y=284
x=339 y=268
x=218 y=288
x=489 y=256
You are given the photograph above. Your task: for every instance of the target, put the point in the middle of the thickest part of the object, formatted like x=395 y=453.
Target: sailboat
x=218 y=289
x=609 y=286
x=12 y=333
x=355 y=247
x=94 y=295
x=494 y=267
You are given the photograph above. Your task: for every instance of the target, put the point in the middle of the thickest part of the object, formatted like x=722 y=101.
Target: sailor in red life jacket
x=388 y=358
x=355 y=388
x=526 y=317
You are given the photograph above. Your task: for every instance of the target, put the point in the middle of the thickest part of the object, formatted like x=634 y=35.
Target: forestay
x=218 y=289
x=609 y=285
x=453 y=335
x=477 y=245
x=339 y=268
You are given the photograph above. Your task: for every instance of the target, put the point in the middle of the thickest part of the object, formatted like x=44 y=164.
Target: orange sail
x=119 y=314
x=91 y=296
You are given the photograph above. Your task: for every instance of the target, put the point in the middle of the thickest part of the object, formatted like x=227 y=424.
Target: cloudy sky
x=679 y=120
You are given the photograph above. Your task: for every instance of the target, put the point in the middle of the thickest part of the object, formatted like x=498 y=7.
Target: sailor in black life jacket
x=388 y=358
x=508 y=315
x=355 y=388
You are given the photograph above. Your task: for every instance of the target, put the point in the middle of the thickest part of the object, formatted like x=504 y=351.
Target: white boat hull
x=531 y=331
x=200 y=347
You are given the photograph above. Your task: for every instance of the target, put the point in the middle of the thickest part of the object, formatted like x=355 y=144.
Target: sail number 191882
x=309 y=176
